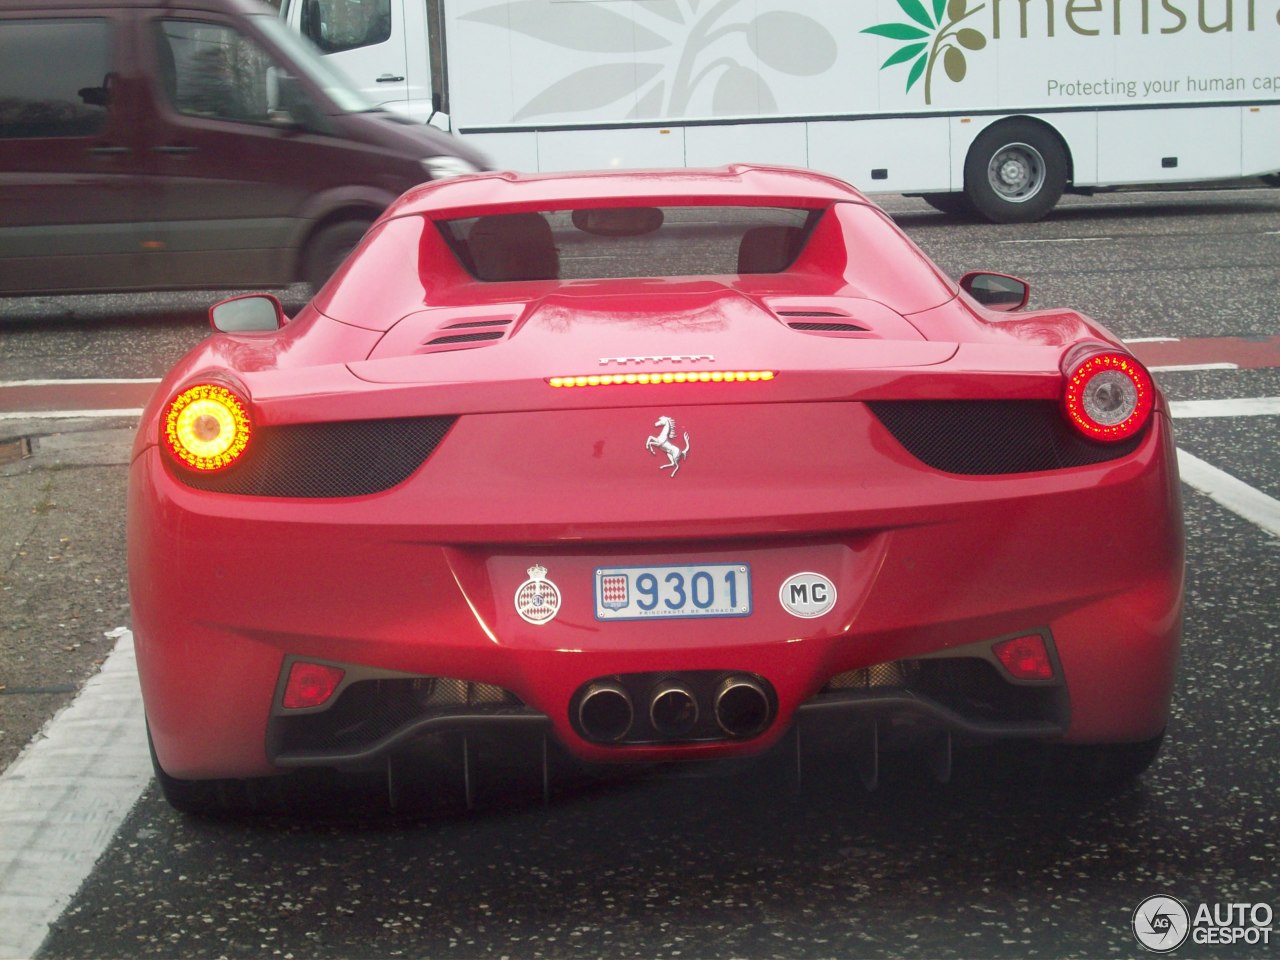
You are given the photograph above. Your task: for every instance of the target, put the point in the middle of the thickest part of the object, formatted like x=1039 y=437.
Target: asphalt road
x=751 y=864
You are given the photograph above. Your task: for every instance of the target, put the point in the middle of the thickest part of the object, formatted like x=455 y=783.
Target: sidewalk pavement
x=63 y=585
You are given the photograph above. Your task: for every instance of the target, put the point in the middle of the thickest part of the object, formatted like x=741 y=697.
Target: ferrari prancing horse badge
x=663 y=441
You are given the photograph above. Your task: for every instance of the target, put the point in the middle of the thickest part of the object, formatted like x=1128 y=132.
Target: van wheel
x=328 y=248
x=1015 y=172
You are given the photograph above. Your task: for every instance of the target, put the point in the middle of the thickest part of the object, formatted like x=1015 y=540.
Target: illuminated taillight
x=681 y=376
x=310 y=684
x=1026 y=658
x=207 y=427
x=1109 y=395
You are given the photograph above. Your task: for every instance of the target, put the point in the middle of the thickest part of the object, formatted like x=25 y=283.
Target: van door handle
x=109 y=151
x=174 y=148
x=389 y=78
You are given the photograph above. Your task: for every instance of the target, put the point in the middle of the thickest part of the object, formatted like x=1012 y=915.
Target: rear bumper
x=377 y=714
x=227 y=590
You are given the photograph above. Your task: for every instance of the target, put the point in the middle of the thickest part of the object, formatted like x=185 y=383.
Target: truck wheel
x=328 y=248
x=1015 y=172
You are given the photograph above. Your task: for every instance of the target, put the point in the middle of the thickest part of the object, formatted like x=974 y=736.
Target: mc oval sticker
x=807 y=595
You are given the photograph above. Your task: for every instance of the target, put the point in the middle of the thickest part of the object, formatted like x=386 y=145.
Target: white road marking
x=1218 y=485
x=1236 y=495
x=71 y=414
x=64 y=798
x=61 y=383
x=1059 y=240
x=1184 y=367
x=1241 y=407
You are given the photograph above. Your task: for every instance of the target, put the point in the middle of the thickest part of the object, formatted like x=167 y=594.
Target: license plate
x=674 y=592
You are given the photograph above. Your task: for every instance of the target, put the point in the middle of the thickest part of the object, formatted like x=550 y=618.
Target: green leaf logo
x=929 y=34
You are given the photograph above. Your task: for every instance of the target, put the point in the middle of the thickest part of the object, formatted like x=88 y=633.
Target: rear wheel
x=1090 y=769
x=219 y=797
x=328 y=248
x=1015 y=172
x=1106 y=764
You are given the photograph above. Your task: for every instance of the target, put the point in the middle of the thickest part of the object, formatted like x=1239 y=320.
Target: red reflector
x=310 y=684
x=1025 y=657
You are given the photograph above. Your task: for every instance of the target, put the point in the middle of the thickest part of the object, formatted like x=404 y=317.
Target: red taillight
x=310 y=684
x=1109 y=395
x=206 y=427
x=1026 y=658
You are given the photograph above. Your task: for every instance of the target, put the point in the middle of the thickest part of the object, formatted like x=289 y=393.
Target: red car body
x=878 y=511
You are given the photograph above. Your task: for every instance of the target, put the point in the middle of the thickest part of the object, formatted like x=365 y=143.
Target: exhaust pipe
x=742 y=706
x=673 y=711
x=605 y=713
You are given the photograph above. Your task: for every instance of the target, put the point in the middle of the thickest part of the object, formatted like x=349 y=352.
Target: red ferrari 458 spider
x=649 y=467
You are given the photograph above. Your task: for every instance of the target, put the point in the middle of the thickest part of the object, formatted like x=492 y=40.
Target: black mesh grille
x=972 y=687
x=344 y=459
x=370 y=710
x=993 y=436
x=827 y=327
x=467 y=338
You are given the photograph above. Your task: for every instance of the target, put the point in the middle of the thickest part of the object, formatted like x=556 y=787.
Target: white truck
x=988 y=106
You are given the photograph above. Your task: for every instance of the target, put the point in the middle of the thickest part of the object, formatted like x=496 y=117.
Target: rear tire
x=1088 y=769
x=206 y=798
x=1015 y=172
x=328 y=248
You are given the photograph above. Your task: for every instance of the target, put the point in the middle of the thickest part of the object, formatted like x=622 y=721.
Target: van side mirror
x=249 y=313
x=311 y=26
x=996 y=291
x=295 y=109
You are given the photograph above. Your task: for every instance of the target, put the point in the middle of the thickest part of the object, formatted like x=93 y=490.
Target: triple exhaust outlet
x=738 y=706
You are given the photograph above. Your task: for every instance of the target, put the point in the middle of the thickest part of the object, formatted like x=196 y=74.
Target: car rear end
x=661 y=521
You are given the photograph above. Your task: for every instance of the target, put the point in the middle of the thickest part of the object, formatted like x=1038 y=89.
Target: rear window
x=55 y=78
x=610 y=242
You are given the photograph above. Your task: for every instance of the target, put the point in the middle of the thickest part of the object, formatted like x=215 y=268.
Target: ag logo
x=1161 y=924
x=807 y=595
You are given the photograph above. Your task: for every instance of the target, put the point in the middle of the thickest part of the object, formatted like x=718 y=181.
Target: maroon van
x=148 y=145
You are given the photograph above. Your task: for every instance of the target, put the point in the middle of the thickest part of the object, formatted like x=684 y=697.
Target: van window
x=55 y=77
x=303 y=56
x=337 y=25
x=209 y=70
